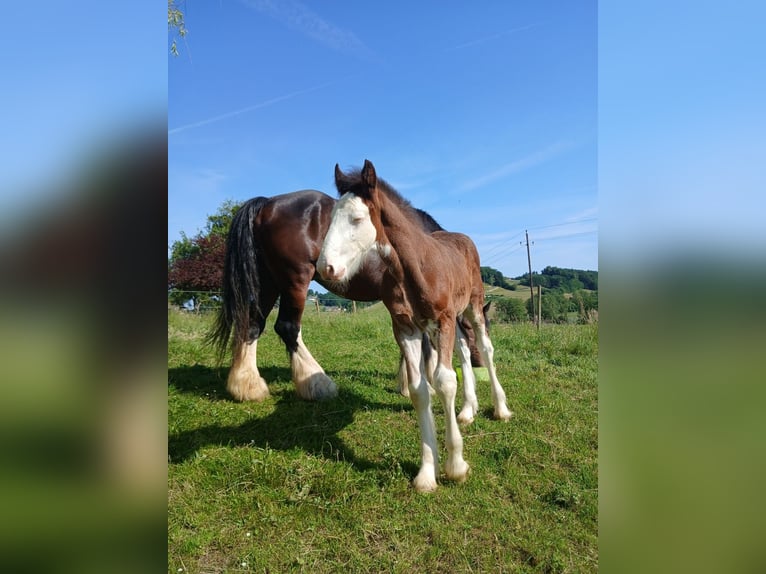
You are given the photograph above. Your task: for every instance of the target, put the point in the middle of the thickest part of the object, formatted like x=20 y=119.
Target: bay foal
x=429 y=280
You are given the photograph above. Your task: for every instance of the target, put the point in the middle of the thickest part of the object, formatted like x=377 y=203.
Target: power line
x=578 y=233
x=503 y=249
x=502 y=254
x=565 y=223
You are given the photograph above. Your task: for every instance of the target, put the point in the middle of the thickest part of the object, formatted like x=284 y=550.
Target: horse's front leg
x=401 y=378
x=445 y=383
x=411 y=347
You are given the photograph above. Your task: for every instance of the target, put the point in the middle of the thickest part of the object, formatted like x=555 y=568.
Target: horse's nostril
x=330 y=271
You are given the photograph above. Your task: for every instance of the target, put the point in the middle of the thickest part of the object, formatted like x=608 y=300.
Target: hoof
x=467 y=414
x=247 y=386
x=502 y=413
x=457 y=470
x=318 y=387
x=424 y=483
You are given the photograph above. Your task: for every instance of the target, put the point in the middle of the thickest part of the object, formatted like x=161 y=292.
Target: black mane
x=352 y=182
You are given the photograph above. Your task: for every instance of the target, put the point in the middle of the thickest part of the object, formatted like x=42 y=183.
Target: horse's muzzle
x=330 y=273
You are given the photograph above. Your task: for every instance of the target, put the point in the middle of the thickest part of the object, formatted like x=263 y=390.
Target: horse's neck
x=406 y=240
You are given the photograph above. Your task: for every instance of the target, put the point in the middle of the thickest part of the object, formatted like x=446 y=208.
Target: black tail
x=241 y=284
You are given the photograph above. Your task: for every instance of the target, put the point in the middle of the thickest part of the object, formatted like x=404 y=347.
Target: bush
x=554 y=307
x=510 y=310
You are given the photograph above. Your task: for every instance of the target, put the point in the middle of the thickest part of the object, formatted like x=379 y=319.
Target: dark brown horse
x=271 y=251
x=430 y=279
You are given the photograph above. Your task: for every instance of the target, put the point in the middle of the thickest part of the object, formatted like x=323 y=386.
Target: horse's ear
x=369 y=177
x=341 y=182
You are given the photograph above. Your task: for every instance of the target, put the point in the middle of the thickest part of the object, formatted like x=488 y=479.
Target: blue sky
x=484 y=118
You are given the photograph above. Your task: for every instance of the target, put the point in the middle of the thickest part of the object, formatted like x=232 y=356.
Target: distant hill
x=565 y=280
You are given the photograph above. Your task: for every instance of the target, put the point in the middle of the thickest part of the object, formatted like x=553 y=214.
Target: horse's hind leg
x=470 y=402
x=402 y=378
x=311 y=382
x=487 y=352
x=244 y=382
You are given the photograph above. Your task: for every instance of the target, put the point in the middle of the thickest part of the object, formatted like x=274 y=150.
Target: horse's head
x=355 y=227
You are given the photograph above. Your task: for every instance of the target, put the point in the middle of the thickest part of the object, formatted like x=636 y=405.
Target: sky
x=484 y=118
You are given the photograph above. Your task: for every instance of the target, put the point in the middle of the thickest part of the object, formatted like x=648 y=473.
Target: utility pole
x=539 y=306
x=531 y=290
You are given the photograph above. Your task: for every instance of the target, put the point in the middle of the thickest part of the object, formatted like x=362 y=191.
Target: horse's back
x=289 y=230
x=300 y=212
x=286 y=208
x=459 y=243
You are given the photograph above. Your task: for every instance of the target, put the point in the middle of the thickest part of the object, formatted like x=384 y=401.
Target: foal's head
x=355 y=227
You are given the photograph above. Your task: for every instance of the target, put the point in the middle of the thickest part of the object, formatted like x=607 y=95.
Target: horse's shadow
x=293 y=423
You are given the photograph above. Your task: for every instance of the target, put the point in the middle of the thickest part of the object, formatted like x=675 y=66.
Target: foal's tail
x=241 y=283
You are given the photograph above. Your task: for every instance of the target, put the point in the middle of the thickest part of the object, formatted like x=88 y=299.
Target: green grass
x=287 y=485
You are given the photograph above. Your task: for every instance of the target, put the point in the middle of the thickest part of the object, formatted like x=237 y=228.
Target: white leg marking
x=401 y=378
x=433 y=362
x=498 y=395
x=470 y=402
x=311 y=382
x=445 y=381
x=244 y=382
x=425 y=481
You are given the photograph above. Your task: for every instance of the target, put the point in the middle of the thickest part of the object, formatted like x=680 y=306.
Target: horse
x=271 y=250
x=429 y=280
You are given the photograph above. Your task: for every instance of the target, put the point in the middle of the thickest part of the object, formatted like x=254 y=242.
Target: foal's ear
x=369 y=177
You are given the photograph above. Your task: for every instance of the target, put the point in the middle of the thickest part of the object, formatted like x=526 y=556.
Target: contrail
x=248 y=109
x=303 y=20
x=518 y=165
x=492 y=37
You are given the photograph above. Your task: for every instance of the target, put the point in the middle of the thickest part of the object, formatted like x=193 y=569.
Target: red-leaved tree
x=195 y=265
x=201 y=269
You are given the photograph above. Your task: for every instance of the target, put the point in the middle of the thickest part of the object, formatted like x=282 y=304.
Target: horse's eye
x=357 y=219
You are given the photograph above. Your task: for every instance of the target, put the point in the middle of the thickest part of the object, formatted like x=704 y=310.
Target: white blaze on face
x=349 y=239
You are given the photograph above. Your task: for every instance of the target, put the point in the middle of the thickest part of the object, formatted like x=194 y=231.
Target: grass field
x=287 y=485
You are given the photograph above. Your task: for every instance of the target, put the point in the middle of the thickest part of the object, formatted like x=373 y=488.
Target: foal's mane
x=352 y=182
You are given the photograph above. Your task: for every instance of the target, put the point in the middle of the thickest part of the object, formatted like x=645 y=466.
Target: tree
x=176 y=25
x=554 y=306
x=510 y=310
x=220 y=222
x=196 y=264
x=494 y=277
x=584 y=303
x=566 y=280
x=201 y=269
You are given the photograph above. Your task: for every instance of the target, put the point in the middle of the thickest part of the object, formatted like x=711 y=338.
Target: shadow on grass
x=210 y=382
x=293 y=423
